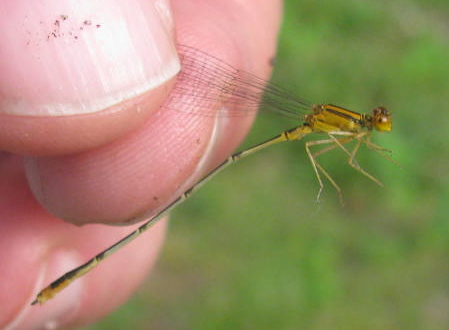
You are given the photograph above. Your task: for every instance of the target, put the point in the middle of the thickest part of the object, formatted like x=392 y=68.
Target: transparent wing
x=207 y=83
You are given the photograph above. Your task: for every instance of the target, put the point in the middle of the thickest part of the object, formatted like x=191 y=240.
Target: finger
x=35 y=248
x=177 y=165
x=78 y=75
x=138 y=174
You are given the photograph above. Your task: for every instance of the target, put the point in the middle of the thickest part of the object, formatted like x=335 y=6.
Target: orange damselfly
x=244 y=90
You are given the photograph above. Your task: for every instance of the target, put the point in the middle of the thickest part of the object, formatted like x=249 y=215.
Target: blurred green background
x=253 y=250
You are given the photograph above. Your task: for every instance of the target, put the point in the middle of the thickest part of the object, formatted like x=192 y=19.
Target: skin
x=123 y=167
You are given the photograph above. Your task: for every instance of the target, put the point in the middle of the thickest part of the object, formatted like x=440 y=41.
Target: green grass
x=253 y=251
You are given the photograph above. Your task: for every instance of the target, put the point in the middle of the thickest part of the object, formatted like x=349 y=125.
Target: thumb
x=76 y=75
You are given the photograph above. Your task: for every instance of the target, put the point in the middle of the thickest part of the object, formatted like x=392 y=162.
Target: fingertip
x=50 y=136
x=76 y=81
x=141 y=172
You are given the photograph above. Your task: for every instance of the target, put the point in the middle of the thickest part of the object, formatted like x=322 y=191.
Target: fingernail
x=59 y=310
x=68 y=58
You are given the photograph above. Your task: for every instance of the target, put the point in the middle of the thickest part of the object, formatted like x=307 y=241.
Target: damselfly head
x=381 y=119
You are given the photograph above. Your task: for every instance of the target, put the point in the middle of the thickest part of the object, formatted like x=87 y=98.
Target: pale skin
x=84 y=186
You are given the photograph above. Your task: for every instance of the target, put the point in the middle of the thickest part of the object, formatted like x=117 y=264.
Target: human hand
x=81 y=90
